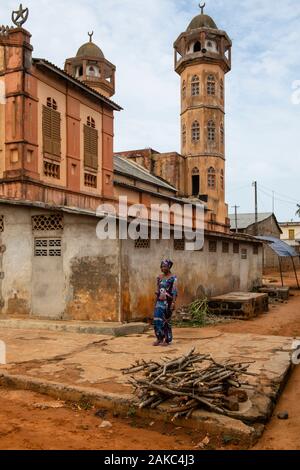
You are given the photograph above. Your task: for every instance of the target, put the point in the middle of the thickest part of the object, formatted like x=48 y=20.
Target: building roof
x=133 y=170
x=289 y=224
x=45 y=64
x=281 y=248
x=202 y=21
x=90 y=49
x=245 y=220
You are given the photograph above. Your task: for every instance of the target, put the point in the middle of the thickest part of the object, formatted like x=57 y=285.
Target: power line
x=280 y=194
x=238 y=189
x=278 y=199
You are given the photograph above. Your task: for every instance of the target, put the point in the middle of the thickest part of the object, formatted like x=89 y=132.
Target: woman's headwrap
x=166 y=263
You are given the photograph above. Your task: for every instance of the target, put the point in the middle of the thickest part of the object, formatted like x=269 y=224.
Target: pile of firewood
x=191 y=382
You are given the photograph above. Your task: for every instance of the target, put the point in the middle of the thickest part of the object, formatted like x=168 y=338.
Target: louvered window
x=51 y=131
x=90 y=145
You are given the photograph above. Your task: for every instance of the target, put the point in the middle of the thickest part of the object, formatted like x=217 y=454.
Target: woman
x=166 y=296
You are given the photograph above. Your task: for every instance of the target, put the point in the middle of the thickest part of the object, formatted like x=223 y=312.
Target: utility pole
x=236 y=218
x=256 y=208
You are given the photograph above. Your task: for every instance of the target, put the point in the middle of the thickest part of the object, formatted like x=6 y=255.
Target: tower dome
x=202 y=21
x=92 y=68
x=90 y=49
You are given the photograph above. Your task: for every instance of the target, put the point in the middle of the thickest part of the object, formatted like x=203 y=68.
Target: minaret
x=90 y=67
x=202 y=58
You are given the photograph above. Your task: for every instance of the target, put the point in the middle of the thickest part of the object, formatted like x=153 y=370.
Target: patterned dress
x=166 y=294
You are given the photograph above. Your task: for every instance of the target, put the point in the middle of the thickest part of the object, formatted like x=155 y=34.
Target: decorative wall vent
x=142 y=244
x=213 y=246
x=236 y=248
x=1 y=223
x=47 y=222
x=47 y=247
x=179 y=245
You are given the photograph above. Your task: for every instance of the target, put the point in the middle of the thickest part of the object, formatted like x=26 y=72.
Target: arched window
x=183 y=89
x=92 y=72
x=195 y=131
x=197 y=47
x=211 y=131
x=51 y=103
x=195 y=85
x=222 y=179
x=195 y=182
x=222 y=133
x=211 y=85
x=90 y=122
x=222 y=89
x=211 y=178
x=184 y=134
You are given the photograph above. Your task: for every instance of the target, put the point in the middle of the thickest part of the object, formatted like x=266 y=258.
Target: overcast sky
x=262 y=123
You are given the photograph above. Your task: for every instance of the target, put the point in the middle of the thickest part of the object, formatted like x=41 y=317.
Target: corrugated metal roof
x=134 y=170
x=279 y=247
x=245 y=220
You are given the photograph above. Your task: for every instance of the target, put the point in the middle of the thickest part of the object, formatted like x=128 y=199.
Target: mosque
x=57 y=165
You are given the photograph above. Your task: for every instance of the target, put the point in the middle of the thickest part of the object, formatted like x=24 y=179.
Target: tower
x=202 y=58
x=90 y=67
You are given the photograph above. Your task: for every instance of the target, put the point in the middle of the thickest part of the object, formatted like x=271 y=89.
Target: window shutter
x=51 y=131
x=90 y=147
x=47 y=142
x=55 y=131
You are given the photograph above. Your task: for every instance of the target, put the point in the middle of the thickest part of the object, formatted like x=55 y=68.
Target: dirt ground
x=32 y=421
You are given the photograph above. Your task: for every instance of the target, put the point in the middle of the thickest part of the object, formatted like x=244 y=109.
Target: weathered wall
x=16 y=239
x=2 y=119
x=267 y=227
x=105 y=280
x=198 y=272
x=81 y=284
x=91 y=268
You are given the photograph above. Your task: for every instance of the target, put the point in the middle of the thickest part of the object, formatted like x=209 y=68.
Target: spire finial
x=19 y=17
x=91 y=35
x=202 y=8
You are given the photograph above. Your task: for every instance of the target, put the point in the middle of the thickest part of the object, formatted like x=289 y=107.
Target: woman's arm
x=174 y=292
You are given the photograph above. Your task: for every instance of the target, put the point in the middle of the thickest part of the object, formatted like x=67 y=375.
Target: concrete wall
x=81 y=284
x=105 y=280
x=265 y=228
x=200 y=272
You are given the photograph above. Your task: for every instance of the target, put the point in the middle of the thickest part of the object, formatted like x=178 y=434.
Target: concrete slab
x=282 y=293
x=88 y=327
x=70 y=365
x=243 y=305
